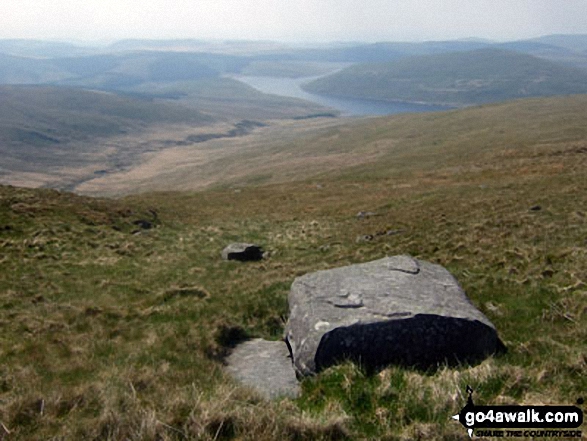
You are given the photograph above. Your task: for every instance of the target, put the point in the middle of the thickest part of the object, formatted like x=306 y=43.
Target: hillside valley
x=191 y=79
x=333 y=149
x=75 y=134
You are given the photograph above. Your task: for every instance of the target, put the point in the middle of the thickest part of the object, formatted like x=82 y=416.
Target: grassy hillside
x=74 y=135
x=397 y=146
x=486 y=75
x=47 y=130
x=227 y=98
x=23 y=70
x=34 y=116
x=112 y=331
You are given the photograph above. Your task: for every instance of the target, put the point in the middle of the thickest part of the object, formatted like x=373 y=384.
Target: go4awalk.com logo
x=521 y=421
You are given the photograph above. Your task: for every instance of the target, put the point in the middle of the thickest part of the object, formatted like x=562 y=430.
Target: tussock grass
x=110 y=331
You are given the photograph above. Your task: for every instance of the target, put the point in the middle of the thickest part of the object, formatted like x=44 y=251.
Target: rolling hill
x=62 y=136
x=352 y=52
x=57 y=115
x=24 y=70
x=574 y=42
x=116 y=71
x=42 y=49
x=130 y=62
x=44 y=129
x=195 y=80
x=393 y=51
x=464 y=78
x=389 y=146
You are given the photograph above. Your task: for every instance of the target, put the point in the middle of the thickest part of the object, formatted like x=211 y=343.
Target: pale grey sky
x=290 y=20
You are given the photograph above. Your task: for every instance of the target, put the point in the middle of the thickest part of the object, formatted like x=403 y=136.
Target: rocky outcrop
x=396 y=310
x=242 y=252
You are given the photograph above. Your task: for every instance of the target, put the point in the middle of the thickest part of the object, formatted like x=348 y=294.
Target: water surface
x=291 y=87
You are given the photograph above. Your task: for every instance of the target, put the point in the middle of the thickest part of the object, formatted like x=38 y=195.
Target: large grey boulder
x=264 y=366
x=242 y=252
x=396 y=310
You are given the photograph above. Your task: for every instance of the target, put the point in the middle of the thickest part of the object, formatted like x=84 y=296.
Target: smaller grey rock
x=144 y=224
x=264 y=366
x=364 y=214
x=242 y=252
x=364 y=238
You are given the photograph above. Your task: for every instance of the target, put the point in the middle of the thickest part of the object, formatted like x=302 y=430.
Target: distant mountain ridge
x=116 y=70
x=128 y=63
x=457 y=78
x=42 y=49
x=574 y=42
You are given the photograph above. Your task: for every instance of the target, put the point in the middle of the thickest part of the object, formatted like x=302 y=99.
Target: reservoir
x=291 y=87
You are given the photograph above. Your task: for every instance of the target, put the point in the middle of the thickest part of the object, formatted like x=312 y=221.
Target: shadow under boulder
x=422 y=341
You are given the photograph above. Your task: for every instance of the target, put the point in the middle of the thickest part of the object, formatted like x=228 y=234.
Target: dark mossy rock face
x=396 y=310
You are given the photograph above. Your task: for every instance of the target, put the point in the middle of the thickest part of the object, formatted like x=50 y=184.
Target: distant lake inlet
x=291 y=87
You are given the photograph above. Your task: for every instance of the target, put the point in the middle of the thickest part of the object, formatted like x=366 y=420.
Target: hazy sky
x=292 y=20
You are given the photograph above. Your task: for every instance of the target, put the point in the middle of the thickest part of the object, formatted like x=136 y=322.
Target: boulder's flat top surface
x=389 y=288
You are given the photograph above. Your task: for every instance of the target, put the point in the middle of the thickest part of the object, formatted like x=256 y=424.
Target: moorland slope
x=46 y=128
x=386 y=146
x=116 y=315
x=73 y=133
